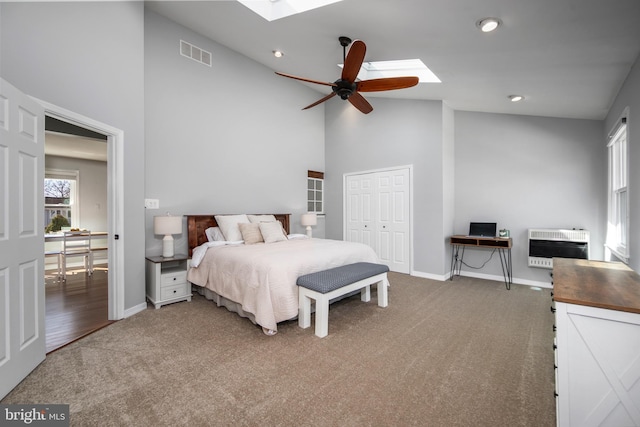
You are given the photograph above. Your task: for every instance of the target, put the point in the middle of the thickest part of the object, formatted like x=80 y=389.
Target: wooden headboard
x=196 y=224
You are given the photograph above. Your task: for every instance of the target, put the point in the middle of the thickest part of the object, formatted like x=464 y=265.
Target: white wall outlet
x=152 y=203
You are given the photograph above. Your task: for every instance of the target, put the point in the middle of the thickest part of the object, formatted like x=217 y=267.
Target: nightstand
x=167 y=280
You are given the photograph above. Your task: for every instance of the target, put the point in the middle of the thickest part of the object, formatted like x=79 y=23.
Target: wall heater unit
x=544 y=244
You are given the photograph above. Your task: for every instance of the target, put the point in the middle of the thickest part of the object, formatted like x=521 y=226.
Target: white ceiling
x=568 y=58
x=64 y=145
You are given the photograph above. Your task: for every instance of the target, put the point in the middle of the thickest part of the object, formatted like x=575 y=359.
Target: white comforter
x=262 y=277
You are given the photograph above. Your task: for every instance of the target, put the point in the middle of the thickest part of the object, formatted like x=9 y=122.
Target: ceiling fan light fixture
x=516 y=98
x=487 y=25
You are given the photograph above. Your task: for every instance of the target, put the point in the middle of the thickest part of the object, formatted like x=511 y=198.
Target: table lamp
x=308 y=220
x=167 y=225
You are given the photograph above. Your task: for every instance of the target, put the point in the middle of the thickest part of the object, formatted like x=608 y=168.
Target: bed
x=258 y=281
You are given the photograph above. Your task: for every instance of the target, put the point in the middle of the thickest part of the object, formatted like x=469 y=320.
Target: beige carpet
x=460 y=353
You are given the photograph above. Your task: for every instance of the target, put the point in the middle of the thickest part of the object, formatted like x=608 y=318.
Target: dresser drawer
x=168 y=292
x=174 y=278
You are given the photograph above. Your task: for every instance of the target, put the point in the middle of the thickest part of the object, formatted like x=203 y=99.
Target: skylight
x=276 y=9
x=400 y=68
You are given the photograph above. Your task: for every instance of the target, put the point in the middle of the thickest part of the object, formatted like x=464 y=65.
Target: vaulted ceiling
x=568 y=58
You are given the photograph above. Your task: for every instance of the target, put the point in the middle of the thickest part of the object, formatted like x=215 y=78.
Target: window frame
x=315 y=184
x=617 y=239
x=73 y=206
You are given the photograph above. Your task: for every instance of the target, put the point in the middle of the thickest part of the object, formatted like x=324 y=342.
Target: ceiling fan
x=346 y=87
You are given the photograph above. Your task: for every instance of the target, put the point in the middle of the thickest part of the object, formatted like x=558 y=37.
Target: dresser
x=597 y=343
x=167 y=280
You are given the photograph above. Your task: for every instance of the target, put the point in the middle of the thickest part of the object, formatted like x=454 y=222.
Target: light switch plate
x=152 y=203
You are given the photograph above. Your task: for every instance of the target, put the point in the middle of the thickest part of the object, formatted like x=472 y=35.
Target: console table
x=500 y=244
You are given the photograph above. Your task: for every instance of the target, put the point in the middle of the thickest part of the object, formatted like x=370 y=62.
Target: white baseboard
x=135 y=309
x=493 y=277
x=439 y=277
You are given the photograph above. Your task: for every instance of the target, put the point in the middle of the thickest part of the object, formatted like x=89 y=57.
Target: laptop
x=482 y=229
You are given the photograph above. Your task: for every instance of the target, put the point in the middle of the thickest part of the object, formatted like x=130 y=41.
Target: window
x=618 y=213
x=60 y=198
x=315 y=192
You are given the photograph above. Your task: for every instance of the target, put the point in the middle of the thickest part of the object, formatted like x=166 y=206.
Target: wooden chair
x=76 y=244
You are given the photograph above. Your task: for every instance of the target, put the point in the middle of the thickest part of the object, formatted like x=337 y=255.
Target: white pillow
x=229 y=225
x=214 y=234
x=272 y=231
x=261 y=218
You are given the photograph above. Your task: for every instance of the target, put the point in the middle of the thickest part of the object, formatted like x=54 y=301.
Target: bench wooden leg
x=383 y=292
x=365 y=294
x=304 y=309
x=322 y=316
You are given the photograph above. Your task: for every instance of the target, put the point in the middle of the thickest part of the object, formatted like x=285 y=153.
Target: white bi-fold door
x=378 y=213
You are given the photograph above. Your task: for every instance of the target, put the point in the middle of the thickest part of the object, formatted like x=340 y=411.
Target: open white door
x=22 y=331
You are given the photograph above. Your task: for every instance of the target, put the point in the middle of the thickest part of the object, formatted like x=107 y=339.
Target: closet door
x=392 y=219
x=360 y=226
x=377 y=213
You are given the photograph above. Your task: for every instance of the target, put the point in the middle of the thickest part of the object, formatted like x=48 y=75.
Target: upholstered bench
x=323 y=286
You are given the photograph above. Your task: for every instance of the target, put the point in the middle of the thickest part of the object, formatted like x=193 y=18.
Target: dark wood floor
x=75 y=308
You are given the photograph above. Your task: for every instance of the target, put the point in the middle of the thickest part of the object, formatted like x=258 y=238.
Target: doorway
x=115 y=200
x=75 y=191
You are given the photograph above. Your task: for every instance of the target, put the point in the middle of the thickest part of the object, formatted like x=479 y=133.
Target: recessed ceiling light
x=516 y=98
x=488 y=24
x=278 y=53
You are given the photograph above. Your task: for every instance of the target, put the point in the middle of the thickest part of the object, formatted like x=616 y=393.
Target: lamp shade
x=309 y=219
x=167 y=224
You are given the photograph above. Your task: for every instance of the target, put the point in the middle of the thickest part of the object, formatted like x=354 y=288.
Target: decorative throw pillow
x=214 y=234
x=272 y=231
x=251 y=233
x=229 y=226
x=261 y=218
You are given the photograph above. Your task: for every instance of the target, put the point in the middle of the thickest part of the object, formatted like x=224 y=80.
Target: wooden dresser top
x=610 y=285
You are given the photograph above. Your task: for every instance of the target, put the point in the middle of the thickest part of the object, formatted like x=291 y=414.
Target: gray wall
x=520 y=171
x=528 y=172
x=230 y=138
x=88 y=58
x=629 y=96
x=396 y=133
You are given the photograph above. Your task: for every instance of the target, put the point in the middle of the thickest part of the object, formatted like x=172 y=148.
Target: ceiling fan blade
x=389 y=83
x=320 y=101
x=353 y=61
x=305 y=80
x=360 y=103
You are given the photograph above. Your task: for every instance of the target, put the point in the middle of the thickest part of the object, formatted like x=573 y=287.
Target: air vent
x=557 y=234
x=195 y=53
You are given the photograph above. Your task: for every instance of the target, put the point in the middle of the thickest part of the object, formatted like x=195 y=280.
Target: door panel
x=22 y=333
